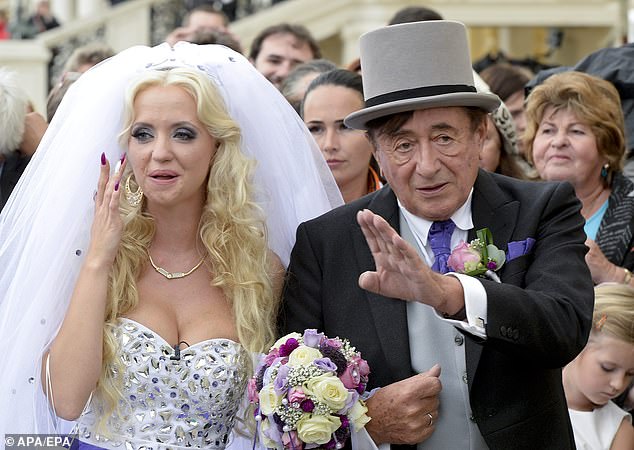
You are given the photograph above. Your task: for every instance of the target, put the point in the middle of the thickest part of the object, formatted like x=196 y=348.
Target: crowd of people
x=183 y=206
x=39 y=20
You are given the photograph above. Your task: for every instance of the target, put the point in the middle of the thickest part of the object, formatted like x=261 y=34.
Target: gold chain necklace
x=174 y=275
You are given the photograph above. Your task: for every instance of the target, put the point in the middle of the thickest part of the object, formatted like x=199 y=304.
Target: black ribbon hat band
x=426 y=91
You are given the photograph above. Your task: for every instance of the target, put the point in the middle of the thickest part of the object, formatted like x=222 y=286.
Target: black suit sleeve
x=542 y=311
x=302 y=307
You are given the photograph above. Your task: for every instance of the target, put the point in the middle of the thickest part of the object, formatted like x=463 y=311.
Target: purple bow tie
x=440 y=242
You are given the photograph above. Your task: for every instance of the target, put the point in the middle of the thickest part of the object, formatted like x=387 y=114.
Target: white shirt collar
x=420 y=227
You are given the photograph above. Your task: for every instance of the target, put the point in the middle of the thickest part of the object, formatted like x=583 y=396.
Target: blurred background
x=534 y=33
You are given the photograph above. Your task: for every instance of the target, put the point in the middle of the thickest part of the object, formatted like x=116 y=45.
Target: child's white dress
x=595 y=430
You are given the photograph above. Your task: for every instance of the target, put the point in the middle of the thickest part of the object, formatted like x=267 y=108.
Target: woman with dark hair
x=328 y=100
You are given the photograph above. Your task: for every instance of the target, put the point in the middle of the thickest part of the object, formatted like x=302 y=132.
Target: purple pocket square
x=519 y=248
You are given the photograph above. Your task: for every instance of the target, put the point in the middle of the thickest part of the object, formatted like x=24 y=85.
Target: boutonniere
x=477 y=258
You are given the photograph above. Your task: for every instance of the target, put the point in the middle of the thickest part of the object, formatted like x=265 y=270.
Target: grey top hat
x=416 y=65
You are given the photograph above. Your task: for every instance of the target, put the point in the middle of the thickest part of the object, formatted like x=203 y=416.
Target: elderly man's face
x=431 y=162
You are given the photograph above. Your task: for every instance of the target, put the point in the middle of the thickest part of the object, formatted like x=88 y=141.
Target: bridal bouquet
x=307 y=392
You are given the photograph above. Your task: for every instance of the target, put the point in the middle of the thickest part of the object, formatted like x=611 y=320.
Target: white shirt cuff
x=475 y=300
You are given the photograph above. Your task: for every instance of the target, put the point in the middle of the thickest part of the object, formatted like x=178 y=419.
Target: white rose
x=357 y=416
x=269 y=400
x=303 y=356
x=329 y=389
x=316 y=429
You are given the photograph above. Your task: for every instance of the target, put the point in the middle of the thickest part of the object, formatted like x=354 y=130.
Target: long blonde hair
x=231 y=228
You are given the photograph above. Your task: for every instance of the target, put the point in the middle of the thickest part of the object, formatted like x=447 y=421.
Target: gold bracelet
x=628 y=276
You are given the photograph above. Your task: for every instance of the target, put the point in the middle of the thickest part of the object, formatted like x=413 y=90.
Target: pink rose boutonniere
x=477 y=258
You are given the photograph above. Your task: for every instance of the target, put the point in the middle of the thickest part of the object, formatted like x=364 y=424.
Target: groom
x=373 y=271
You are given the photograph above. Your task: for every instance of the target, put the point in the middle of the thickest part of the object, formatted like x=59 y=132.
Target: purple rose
x=364 y=368
x=296 y=395
x=287 y=348
x=281 y=380
x=351 y=377
x=307 y=405
x=312 y=338
x=463 y=258
x=326 y=365
x=334 y=343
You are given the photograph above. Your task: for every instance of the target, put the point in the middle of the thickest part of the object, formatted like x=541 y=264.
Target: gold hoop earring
x=133 y=198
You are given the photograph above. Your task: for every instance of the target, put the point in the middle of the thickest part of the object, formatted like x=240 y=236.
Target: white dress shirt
x=476 y=312
x=475 y=296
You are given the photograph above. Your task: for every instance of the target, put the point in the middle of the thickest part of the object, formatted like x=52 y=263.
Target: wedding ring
x=431 y=420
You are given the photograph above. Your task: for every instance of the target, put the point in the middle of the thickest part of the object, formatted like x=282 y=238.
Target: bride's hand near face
x=107 y=226
x=75 y=356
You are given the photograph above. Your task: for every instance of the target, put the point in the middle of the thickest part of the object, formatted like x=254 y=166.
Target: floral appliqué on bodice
x=169 y=402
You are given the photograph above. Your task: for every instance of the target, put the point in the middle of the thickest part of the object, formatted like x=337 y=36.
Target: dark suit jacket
x=539 y=318
x=12 y=169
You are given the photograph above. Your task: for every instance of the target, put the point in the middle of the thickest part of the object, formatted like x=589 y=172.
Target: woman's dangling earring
x=604 y=171
x=133 y=198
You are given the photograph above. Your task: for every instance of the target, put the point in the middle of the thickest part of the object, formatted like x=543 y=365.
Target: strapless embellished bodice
x=169 y=402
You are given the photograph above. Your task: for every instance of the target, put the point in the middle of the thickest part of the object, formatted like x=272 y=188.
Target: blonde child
x=602 y=371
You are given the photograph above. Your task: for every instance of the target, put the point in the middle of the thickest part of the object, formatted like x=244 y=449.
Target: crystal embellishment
x=171 y=403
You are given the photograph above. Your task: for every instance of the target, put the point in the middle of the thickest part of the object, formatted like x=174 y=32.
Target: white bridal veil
x=44 y=227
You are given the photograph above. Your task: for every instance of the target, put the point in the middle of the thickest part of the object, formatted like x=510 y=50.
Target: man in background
x=200 y=19
x=20 y=133
x=279 y=48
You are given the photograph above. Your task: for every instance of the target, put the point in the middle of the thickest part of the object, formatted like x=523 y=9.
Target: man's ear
x=375 y=151
x=372 y=142
x=481 y=133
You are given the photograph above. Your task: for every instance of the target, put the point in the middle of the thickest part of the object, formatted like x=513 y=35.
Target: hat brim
x=359 y=119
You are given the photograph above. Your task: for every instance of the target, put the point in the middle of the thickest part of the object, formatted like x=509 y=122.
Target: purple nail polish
x=103 y=159
x=123 y=158
x=116 y=186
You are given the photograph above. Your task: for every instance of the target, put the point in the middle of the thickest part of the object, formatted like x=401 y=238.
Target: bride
x=143 y=250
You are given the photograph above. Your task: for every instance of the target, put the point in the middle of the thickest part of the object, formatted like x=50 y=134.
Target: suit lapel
x=490 y=208
x=390 y=315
